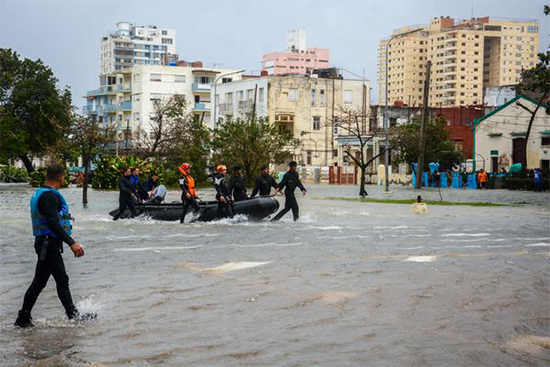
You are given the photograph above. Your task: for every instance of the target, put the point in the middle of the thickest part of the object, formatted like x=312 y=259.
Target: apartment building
x=133 y=45
x=126 y=99
x=467 y=57
x=297 y=58
x=301 y=104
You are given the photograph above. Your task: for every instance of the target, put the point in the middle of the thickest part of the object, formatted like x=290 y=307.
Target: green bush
x=109 y=170
x=37 y=177
x=11 y=174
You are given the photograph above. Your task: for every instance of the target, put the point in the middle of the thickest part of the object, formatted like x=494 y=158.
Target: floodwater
x=349 y=284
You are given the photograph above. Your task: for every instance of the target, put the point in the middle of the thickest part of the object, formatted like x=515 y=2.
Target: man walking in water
x=51 y=226
x=264 y=183
x=188 y=194
x=290 y=181
x=126 y=196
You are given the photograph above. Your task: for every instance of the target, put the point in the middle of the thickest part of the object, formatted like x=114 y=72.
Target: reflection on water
x=348 y=284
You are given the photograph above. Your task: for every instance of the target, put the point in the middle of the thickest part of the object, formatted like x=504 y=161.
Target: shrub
x=12 y=174
x=37 y=178
x=520 y=183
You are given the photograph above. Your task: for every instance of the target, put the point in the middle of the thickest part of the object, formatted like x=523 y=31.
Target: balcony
x=245 y=105
x=199 y=87
x=449 y=97
x=449 y=72
x=121 y=88
x=449 y=56
x=452 y=39
x=126 y=106
x=225 y=108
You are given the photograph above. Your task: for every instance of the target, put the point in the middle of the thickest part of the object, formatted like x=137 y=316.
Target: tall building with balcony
x=297 y=58
x=467 y=57
x=126 y=99
x=303 y=105
x=133 y=45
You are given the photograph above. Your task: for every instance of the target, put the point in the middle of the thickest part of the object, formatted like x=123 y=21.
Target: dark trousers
x=186 y=204
x=240 y=196
x=224 y=209
x=51 y=264
x=123 y=203
x=290 y=203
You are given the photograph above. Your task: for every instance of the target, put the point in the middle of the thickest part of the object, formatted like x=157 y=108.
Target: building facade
x=500 y=136
x=133 y=45
x=467 y=56
x=127 y=99
x=304 y=105
x=298 y=58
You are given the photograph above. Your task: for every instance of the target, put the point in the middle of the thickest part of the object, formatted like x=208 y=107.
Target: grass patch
x=410 y=201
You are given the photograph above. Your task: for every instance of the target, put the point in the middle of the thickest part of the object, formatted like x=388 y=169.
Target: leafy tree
x=352 y=123
x=439 y=148
x=33 y=111
x=86 y=138
x=535 y=83
x=251 y=143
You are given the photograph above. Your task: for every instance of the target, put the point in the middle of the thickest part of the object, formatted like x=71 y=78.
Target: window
x=293 y=94
x=323 y=97
x=179 y=78
x=348 y=96
x=155 y=96
x=155 y=78
x=136 y=116
x=166 y=41
x=136 y=77
x=227 y=80
x=545 y=140
x=313 y=97
x=532 y=29
x=136 y=97
x=260 y=94
x=164 y=33
x=316 y=123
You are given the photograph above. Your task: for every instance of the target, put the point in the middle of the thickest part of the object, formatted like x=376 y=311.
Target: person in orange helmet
x=188 y=193
x=223 y=193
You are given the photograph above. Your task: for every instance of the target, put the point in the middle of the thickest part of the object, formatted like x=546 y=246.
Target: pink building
x=298 y=59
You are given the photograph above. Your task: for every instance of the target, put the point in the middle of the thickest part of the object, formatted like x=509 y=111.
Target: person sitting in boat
x=156 y=192
x=237 y=188
x=188 y=193
x=223 y=194
x=141 y=192
x=264 y=183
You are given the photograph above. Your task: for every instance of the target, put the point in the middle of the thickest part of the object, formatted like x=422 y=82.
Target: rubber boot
x=74 y=314
x=24 y=319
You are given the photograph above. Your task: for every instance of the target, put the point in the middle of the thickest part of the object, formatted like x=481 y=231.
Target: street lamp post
x=386 y=115
x=216 y=96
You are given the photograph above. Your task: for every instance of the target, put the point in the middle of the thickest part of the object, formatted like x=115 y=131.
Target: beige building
x=467 y=56
x=303 y=105
x=500 y=136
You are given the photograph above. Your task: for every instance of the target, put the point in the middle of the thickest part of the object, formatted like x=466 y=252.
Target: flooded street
x=349 y=284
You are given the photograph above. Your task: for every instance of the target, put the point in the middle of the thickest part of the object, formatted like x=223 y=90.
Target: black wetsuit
x=184 y=185
x=150 y=185
x=222 y=189
x=125 y=199
x=50 y=260
x=290 y=181
x=264 y=183
x=237 y=188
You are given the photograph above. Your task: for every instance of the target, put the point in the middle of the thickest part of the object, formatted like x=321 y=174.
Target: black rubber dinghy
x=255 y=209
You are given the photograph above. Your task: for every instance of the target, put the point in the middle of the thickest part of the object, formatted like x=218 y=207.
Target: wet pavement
x=349 y=284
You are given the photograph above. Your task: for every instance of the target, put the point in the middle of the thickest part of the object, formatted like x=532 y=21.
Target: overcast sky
x=66 y=34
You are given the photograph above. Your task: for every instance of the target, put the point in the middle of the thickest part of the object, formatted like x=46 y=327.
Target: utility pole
x=423 y=122
x=254 y=104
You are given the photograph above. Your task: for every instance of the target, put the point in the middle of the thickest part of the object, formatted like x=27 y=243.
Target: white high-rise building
x=132 y=44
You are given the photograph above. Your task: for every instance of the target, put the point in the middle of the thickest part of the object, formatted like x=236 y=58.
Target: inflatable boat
x=255 y=209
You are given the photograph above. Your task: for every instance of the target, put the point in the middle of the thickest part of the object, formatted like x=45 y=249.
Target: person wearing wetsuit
x=264 y=183
x=140 y=190
x=51 y=226
x=188 y=194
x=236 y=185
x=290 y=181
x=127 y=195
x=223 y=194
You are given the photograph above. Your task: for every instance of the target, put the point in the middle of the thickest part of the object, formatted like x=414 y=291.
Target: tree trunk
x=362 y=190
x=27 y=162
x=525 y=144
x=85 y=182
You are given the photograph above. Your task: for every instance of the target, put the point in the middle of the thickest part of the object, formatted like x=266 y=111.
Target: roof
x=206 y=71
x=513 y=100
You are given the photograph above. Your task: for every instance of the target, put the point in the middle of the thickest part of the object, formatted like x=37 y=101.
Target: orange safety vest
x=190 y=182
